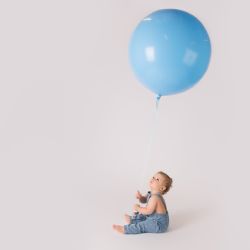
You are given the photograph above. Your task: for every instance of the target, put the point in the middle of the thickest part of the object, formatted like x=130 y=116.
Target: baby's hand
x=136 y=207
x=138 y=195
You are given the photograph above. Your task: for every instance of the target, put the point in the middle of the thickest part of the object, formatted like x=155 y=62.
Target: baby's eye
x=157 y=179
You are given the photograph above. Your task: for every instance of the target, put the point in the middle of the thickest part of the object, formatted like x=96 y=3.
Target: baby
x=154 y=217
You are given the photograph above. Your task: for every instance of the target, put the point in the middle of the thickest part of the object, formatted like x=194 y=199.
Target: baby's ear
x=163 y=188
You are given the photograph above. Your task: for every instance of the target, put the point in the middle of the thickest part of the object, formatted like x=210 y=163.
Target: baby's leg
x=137 y=218
x=146 y=226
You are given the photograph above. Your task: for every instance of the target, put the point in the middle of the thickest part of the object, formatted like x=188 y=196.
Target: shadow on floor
x=183 y=218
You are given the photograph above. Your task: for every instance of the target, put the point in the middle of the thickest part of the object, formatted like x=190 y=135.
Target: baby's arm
x=149 y=209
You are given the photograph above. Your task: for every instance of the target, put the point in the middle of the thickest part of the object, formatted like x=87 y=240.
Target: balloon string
x=152 y=134
x=153 y=131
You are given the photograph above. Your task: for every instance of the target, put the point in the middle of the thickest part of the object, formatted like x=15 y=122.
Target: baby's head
x=160 y=182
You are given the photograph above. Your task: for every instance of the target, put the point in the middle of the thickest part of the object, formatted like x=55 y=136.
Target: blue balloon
x=169 y=51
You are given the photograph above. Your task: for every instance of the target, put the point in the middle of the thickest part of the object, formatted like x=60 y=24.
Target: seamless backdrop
x=75 y=125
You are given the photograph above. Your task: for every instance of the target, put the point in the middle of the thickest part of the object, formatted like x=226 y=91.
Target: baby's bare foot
x=119 y=228
x=127 y=218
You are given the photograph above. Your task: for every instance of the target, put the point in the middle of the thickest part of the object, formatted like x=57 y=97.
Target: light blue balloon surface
x=169 y=51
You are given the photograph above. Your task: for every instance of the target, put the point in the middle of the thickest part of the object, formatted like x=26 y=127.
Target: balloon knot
x=157 y=97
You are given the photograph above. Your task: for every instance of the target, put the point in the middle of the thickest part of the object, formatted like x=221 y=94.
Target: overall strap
x=148 y=195
x=163 y=201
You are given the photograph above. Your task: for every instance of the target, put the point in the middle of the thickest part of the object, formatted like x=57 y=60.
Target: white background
x=76 y=124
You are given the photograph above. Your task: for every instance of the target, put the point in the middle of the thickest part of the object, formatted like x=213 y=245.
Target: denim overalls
x=153 y=223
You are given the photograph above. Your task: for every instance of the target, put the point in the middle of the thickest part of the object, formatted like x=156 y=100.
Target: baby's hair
x=167 y=181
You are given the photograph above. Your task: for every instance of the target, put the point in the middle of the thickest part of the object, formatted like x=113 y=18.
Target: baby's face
x=157 y=183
